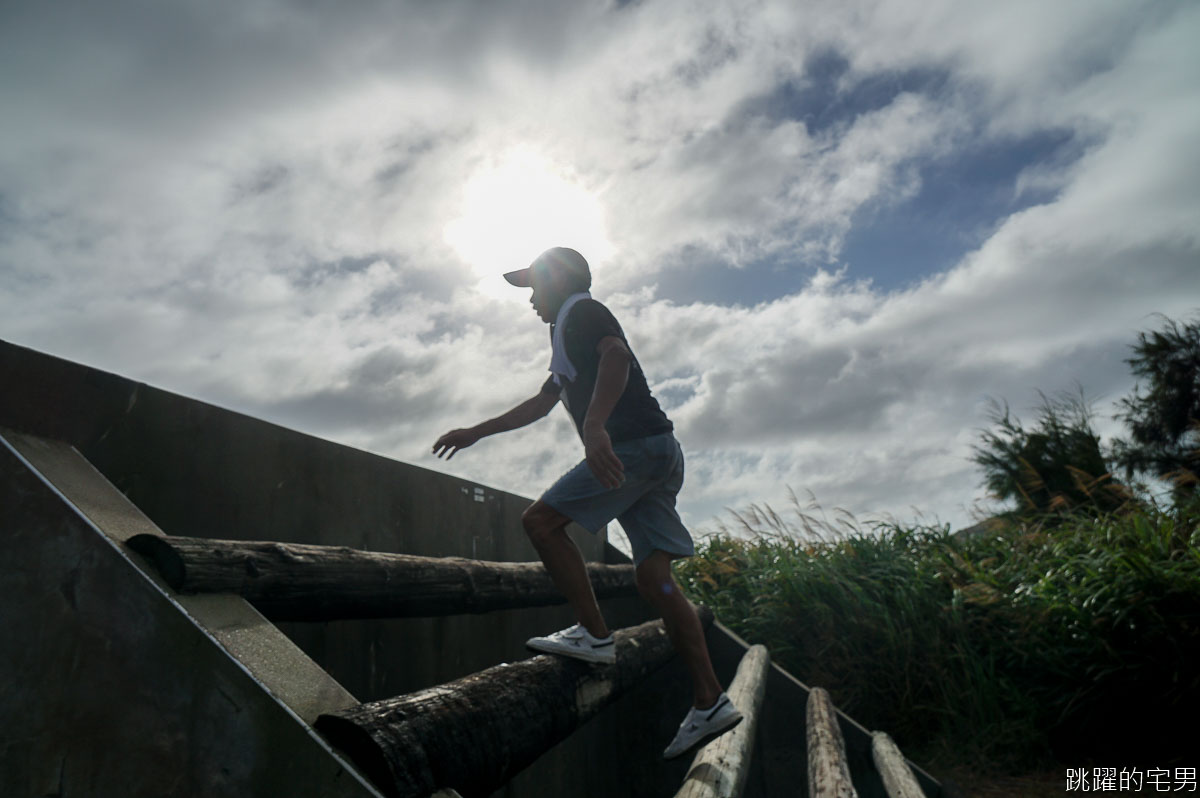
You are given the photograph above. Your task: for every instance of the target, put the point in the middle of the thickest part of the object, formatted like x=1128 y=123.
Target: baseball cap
x=557 y=260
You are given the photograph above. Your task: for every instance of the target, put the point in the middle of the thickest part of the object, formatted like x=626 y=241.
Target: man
x=632 y=471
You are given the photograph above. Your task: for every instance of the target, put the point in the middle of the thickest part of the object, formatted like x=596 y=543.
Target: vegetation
x=1067 y=628
x=1052 y=469
x=1164 y=422
x=1008 y=647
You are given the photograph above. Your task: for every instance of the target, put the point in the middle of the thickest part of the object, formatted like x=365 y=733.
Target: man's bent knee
x=654 y=580
x=542 y=522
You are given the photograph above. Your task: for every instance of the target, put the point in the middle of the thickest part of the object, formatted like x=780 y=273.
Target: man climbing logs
x=632 y=471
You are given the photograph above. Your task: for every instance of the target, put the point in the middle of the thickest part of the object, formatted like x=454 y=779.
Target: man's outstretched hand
x=454 y=440
x=601 y=459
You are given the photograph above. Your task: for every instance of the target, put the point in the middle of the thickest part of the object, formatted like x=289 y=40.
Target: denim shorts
x=644 y=504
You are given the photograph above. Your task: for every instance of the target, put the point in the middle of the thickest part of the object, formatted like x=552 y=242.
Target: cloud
x=249 y=204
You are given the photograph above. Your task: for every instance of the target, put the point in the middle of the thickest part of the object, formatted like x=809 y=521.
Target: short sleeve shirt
x=637 y=413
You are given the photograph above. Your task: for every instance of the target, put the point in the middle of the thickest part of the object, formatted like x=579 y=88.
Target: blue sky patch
x=824 y=102
x=962 y=199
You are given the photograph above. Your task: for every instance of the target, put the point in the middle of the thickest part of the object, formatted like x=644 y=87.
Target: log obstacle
x=721 y=767
x=828 y=770
x=300 y=582
x=897 y=776
x=474 y=734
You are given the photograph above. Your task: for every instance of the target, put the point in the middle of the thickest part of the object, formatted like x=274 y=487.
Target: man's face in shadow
x=549 y=293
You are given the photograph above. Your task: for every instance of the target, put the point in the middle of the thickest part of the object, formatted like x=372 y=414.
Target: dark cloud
x=799 y=396
x=385 y=389
x=827 y=96
x=262 y=181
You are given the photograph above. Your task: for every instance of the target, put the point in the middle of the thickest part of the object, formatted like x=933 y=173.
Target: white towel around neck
x=560 y=365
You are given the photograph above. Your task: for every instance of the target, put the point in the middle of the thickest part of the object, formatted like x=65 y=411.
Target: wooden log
x=298 y=582
x=828 y=771
x=897 y=776
x=476 y=733
x=721 y=767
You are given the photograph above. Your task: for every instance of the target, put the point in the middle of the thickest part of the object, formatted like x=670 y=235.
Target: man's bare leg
x=546 y=528
x=657 y=585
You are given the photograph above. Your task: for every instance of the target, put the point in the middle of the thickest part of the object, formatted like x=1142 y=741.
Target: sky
x=832 y=231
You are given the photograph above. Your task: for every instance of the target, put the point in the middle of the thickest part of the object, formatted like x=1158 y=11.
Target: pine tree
x=1164 y=420
x=1052 y=468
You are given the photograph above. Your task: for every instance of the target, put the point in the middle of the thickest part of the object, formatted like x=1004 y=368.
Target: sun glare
x=518 y=207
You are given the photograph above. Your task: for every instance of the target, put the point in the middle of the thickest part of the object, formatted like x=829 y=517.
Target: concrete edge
x=238 y=623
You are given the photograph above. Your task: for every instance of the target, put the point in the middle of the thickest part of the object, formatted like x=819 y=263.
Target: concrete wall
x=109 y=689
x=198 y=470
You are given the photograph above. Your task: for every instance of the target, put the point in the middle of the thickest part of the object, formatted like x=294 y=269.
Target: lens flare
x=519 y=206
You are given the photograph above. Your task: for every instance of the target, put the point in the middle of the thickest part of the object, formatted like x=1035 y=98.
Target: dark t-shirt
x=636 y=414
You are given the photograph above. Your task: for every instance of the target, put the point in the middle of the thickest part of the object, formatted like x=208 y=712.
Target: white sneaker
x=701 y=726
x=576 y=642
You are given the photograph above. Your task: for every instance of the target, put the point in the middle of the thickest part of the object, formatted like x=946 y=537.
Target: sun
x=518 y=206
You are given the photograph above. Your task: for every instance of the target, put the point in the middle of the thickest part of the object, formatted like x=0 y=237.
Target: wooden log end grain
x=363 y=750
x=828 y=770
x=165 y=558
x=720 y=768
x=897 y=776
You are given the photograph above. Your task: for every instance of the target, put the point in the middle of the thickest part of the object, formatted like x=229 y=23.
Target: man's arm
x=523 y=414
x=612 y=374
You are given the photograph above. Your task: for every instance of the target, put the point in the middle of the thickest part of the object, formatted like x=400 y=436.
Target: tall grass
x=1009 y=647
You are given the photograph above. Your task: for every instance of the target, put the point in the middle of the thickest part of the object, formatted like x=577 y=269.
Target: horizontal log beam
x=721 y=767
x=299 y=582
x=828 y=771
x=897 y=776
x=474 y=734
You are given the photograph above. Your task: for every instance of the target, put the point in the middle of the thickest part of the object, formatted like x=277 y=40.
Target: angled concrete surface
x=269 y=656
x=109 y=687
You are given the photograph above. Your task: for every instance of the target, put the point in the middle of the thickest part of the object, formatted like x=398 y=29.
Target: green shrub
x=1081 y=640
